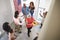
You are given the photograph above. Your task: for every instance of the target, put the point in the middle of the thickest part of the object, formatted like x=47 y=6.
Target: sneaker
x=20 y=32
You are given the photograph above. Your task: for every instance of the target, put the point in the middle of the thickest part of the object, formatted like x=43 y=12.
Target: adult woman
x=31 y=7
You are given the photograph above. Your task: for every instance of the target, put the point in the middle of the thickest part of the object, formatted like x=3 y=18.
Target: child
x=18 y=23
x=29 y=24
x=25 y=10
x=7 y=28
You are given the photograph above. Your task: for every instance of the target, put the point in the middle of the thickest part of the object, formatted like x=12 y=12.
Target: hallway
x=23 y=35
x=51 y=25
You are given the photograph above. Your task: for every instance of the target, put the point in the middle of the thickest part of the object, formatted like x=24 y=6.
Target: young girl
x=31 y=7
x=7 y=28
x=18 y=23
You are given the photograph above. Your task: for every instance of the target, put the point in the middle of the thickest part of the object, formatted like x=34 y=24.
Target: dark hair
x=7 y=28
x=33 y=5
x=16 y=14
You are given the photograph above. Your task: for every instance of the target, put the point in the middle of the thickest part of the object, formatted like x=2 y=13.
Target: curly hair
x=33 y=6
x=16 y=14
x=7 y=28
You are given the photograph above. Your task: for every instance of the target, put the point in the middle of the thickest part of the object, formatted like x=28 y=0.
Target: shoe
x=28 y=35
x=30 y=31
x=20 y=32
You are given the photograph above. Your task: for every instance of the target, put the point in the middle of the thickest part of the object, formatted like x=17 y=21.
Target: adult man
x=25 y=10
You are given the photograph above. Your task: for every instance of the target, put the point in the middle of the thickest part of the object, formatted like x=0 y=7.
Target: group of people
x=26 y=10
x=29 y=20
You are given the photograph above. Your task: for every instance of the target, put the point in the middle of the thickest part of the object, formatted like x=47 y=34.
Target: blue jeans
x=31 y=12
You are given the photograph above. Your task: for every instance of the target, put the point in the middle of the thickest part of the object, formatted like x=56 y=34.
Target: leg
x=29 y=30
x=20 y=28
x=16 y=28
x=41 y=25
x=31 y=12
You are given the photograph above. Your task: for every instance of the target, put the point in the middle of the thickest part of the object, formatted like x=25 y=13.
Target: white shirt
x=17 y=21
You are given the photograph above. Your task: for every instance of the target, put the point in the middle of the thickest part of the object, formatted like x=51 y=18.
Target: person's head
x=24 y=5
x=16 y=14
x=7 y=28
x=32 y=5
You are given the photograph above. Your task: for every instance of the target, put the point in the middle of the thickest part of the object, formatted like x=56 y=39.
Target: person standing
x=43 y=17
x=17 y=22
x=25 y=10
x=32 y=7
x=29 y=25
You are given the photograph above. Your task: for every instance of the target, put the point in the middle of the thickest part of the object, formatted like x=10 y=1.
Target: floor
x=23 y=35
x=33 y=34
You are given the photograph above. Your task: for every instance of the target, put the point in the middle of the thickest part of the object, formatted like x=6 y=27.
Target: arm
x=41 y=15
x=20 y=23
x=9 y=36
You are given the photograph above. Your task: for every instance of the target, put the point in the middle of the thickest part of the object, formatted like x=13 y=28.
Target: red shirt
x=29 y=22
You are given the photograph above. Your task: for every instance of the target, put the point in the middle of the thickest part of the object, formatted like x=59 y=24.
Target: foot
x=20 y=32
x=28 y=35
x=30 y=31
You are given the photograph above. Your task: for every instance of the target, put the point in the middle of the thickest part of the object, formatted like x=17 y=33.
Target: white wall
x=6 y=13
x=51 y=27
x=12 y=6
x=45 y=4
